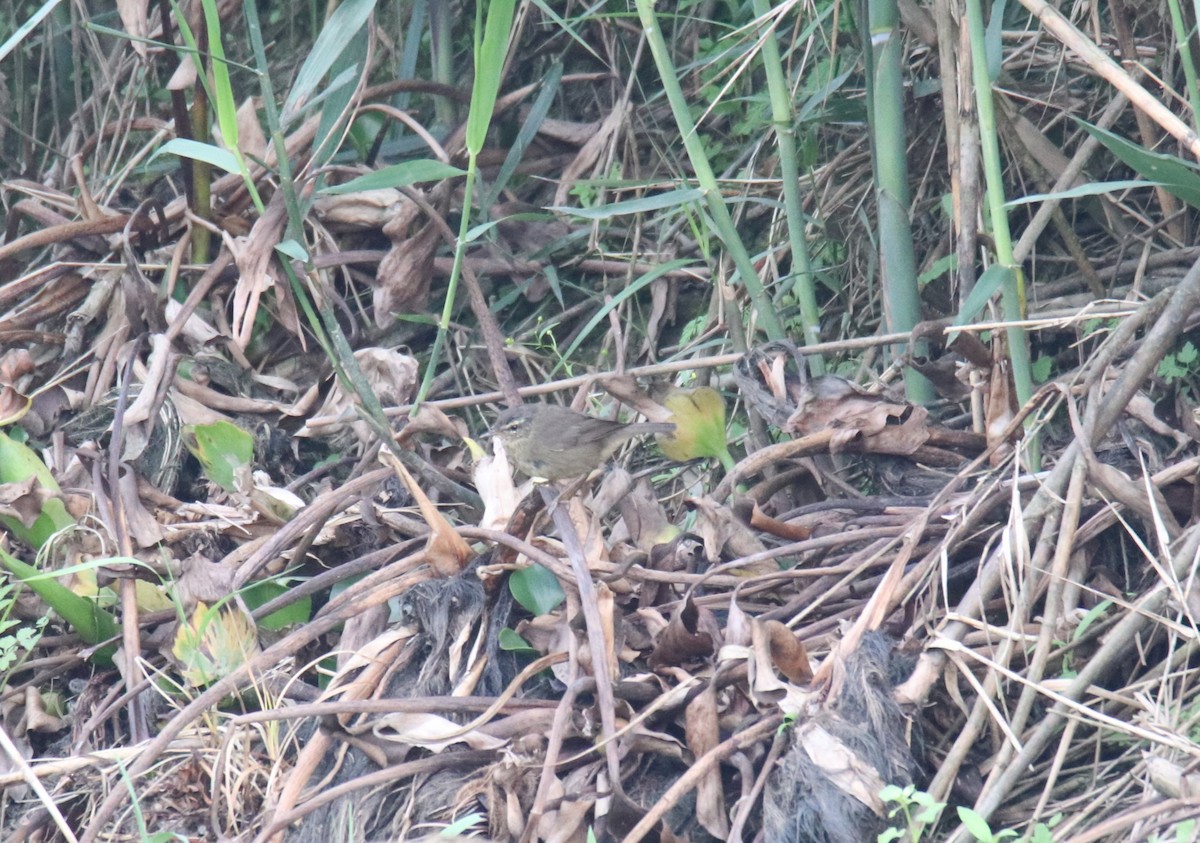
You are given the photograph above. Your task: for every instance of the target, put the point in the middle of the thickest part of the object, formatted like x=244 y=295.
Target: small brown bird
x=549 y=441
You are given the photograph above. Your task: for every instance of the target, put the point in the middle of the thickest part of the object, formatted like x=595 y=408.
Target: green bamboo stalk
x=898 y=262
x=705 y=176
x=783 y=118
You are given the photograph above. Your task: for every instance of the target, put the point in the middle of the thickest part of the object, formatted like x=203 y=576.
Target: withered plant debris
x=368 y=631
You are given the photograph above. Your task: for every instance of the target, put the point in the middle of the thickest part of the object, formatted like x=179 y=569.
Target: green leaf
x=342 y=27
x=655 y=202
x=513 y=643
x=529 y=129
x=1095 y=188
x=975 y=824
x=1042 y=368
x=489 y=64
x=91 y=622
x=461 y=826
x=536 y=589
x=19 y=464
x=937 y=269
x=225 y=451
x=226 y=107
x=264 y=591
x=993 y=279
x=206 y=152
x=1185 y=831
x=1095 y=613
x=1171 y=172
x=291 y=249
x=397 y=175
x=28 y=25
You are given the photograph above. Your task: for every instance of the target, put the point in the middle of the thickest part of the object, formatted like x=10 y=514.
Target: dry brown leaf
x=37 y=718
x=881 y=425
x=999 y=411
x=589 y=153
x=727 y=538
x=370 y=209
x=254 y=255
x=24 y=500
x=841 y=765
x=392 y=375
x=494 y=483
x=133 y=19
x=429 y=731
x=405 y=276
x=703 y=732
x=691 y=634
x=788 y=652
x=644 y=517
x=15 y=365
x=143 y=527
x=447 y=551
x=251 y=140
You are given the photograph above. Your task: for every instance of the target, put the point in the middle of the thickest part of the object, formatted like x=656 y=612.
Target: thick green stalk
x=784 y=120
x=898 y=263
x=705 y=176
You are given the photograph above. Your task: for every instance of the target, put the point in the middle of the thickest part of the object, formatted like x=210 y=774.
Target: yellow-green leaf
x=699 y=416
x=224 y=450
x=214 y=643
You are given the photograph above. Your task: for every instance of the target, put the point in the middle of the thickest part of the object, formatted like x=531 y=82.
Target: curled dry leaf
x=690 y=635
x=254 y=255
x=882 y=426
x=446 y=550
x=494 y=482
x=15 y=365
x=23 y=500
x=787 y=652
x=685 y=552
x=1000 y=410
x=37 y=717
x=134 y=18
x=405 y=274
x=641 y=513
x=251 y=140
